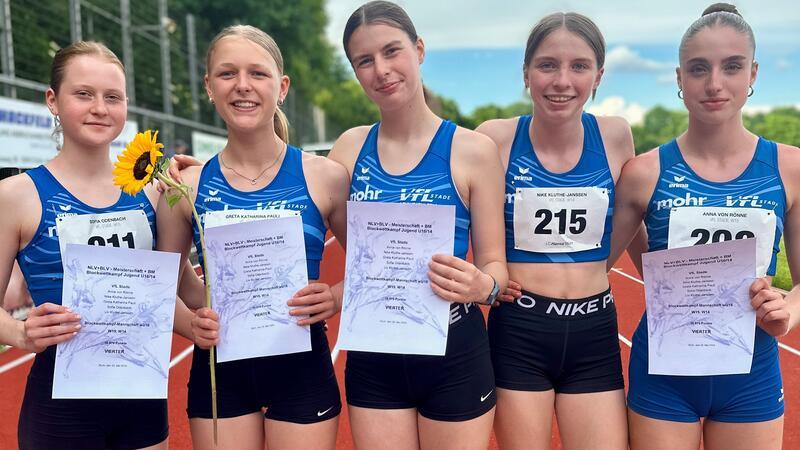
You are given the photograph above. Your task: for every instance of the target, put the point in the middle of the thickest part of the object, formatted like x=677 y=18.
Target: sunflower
x=137 y=164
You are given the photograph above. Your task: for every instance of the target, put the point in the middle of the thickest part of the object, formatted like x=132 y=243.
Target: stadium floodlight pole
x=7 y=46
x=193 y=78
x=166 y=68
x=127 y=49
x=75 y=32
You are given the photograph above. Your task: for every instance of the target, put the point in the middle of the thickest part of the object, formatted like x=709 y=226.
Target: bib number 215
x=574 y=219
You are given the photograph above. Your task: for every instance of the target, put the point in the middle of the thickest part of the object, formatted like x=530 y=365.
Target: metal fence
x=163 y=68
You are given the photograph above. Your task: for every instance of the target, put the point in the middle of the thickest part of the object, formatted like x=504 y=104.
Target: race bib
x=128 y=229
x=559 y=220
x=698 y=225
x=213 y=219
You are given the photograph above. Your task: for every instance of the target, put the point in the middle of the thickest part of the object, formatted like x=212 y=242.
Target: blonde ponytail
x=281 y=124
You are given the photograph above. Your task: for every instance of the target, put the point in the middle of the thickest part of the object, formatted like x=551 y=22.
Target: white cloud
x=618 y=106
x=506 y=23
x=749 y=110
x=623 y=59
x=784 y=64
x=667 y=78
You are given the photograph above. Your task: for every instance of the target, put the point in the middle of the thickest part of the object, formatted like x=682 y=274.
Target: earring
x=680 y=93
x=752 y=91
x=280 y=102
x=210 y=100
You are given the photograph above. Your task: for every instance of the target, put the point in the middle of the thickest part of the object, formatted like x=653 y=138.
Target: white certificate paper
x=256 y=267
x=388 y=304
x=126 y=299
x=699 y=317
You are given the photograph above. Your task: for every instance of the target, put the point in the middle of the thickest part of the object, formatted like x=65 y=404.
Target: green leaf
x=173 y=196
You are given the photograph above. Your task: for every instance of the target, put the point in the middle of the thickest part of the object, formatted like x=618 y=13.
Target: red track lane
x=628 y=294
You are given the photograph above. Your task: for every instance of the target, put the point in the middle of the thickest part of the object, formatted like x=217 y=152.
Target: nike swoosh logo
x=484 y=397
x=322 y=413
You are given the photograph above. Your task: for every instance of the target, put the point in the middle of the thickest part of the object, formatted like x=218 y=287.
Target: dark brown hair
x=378 y=12
x=575 y=23
x=723 y=14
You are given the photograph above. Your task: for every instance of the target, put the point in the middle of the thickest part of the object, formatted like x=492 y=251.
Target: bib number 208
x=113 y=241
x=576 y=221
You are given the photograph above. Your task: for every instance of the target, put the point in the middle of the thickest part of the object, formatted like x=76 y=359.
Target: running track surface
x=628 y=293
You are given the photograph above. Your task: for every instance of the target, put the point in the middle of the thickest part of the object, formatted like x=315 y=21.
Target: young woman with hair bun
x=717 y=159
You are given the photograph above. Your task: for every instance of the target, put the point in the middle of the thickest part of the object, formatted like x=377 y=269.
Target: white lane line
x=625 y=340
x=17 y=362
x=788 y=348
x=186 y=352
x=630 y=277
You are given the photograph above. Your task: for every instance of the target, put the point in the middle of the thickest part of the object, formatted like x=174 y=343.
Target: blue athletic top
x=759 y=186
x=288 y=190
x=429 y=182
x=525 y=171
x=40 y=260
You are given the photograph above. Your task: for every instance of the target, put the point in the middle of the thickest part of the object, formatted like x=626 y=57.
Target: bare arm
x=452 y=278
x=175 y=235
x=47 y=324
x=636 y=183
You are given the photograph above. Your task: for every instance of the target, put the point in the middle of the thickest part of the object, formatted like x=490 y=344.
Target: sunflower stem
x=183 y=189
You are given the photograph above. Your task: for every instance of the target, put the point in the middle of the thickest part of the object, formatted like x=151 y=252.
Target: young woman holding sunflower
x=245 y=81
x=87 y=98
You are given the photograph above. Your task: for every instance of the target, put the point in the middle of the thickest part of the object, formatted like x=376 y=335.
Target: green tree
x=660 y=125
x=346 y=105
x=781 y=125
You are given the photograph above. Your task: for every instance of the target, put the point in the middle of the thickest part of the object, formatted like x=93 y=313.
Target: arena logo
x=212 y=196
x=523 y=176
x=679 y=182
x=677 y=202
x=363 y=176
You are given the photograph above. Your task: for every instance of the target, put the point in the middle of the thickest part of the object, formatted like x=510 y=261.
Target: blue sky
x=475 y=48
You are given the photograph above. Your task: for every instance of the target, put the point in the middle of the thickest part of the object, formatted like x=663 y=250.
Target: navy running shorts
x=456 y=387
x=569 y=346
x=298 y=387
x=47 y=423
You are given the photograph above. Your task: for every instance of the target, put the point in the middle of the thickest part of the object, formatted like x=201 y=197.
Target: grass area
x=782 y=279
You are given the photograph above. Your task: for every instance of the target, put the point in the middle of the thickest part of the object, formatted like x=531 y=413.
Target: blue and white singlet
x=288 y=190
x=40 y=260
x=747 y=205
x=559 y=225
x=429 y=182
x=678 y=188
